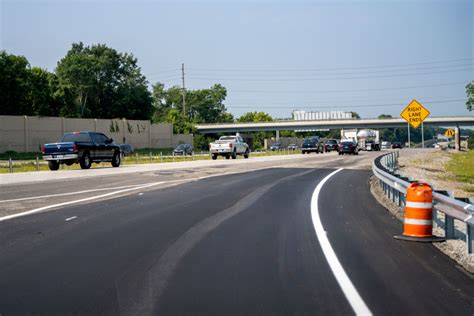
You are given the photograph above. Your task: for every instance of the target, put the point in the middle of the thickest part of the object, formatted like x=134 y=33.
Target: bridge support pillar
x=457 y=138
x=277 y=135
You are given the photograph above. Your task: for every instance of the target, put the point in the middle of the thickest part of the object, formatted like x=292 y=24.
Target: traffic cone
x=418 y=224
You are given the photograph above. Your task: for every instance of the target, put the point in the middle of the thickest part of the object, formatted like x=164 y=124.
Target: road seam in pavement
x=150 y=290
x=349 y=290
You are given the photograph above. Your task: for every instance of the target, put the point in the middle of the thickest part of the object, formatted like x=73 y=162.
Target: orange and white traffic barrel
x=418 y=223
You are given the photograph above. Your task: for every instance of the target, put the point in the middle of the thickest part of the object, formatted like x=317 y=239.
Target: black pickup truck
x=83 y=148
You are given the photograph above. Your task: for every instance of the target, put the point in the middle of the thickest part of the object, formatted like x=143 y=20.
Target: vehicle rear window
x=80 y=137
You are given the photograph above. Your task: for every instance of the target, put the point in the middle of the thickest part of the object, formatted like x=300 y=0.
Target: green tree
x=103 y=83
x=258 y=137
x=355 y=115
x=14 y=81
x=202 y=106
x=384 y=116
x=255 y=117
x=470 y=95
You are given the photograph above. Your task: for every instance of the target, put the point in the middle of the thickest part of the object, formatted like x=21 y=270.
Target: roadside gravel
x=433 y=162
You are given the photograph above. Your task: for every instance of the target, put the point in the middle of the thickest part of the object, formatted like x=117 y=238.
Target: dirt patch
x=430 y=166
x=455 y=249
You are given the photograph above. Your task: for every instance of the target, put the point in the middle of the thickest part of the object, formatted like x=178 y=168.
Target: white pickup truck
x=229 y=146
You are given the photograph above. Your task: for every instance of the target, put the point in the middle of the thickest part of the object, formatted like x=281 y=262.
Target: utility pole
x=184 y=90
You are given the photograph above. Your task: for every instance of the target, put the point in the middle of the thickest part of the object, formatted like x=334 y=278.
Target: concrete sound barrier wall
x=28 y=133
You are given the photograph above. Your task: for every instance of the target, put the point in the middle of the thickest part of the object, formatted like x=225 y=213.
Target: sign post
x=415 y=114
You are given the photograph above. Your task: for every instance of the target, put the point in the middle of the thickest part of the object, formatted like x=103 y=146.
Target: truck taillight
x=230 y=145
x=42 y=149
x=75 y=148
x=209 y=146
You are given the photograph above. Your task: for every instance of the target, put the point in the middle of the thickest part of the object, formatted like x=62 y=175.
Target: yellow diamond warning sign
x=415 y=113
x=449 y=132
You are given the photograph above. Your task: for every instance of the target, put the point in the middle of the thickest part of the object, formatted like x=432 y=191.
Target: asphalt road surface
x=238 y=243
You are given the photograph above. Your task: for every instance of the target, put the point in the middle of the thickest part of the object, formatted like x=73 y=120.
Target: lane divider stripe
x=69 y=193
x=349 y=290
x=36 y=210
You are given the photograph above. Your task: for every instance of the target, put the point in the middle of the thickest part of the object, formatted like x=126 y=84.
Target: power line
x=349 y=90
x=162 y=72
x=343 y=68
x=338 y=107
x=336 y=74
x=337 y=101
x=319 y=79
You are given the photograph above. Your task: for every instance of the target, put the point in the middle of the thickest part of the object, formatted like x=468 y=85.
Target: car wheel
x=116 y=159
x=85 y=161
x=227 y=157
x=246 y=155
x=214 y=156
x=234 y=154
x=303 y=152
x=53 y=165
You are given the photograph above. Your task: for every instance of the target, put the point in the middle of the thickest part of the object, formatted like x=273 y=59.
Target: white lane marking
x=70 y=218
x=68 y=193
x=355 y=300
x=141 y=193
x=36 y=210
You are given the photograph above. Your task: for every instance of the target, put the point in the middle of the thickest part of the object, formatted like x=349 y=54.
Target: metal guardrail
x=394 y=185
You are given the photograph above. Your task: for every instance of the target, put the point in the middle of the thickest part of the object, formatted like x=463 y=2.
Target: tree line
x=99 y=82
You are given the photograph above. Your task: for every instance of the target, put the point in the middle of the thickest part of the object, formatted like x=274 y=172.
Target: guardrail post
x=448 y=227
x=470 y=238
x=192 y=154
x=10 y=164
x=37 y=164
x=136 y=156
x=161 y=156
x=151 y=158
x=173 y=156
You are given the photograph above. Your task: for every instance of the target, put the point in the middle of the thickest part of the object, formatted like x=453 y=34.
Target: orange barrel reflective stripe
x=419 y=210
x=418 y=223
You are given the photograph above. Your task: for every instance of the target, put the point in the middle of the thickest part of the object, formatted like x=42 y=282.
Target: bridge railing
x=394 y=186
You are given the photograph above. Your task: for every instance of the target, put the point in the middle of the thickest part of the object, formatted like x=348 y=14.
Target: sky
x=369 y=57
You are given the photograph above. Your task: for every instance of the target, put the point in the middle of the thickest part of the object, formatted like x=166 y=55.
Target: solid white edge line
x=353 y=297
x=36 y=210
x=70 y=218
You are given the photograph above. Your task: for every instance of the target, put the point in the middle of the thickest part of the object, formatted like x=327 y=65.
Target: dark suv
x=330 y=145
x=312 y=144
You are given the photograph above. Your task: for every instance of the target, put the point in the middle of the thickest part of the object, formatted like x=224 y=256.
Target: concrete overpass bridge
x=446 y=121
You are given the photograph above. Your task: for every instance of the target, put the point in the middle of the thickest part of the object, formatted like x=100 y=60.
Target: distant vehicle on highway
x=372 y=145
x=386 y=145
x=396 y=145
x=292 y=147
x=183 y=149
x=275 y=147
x=83 y=148
x=312 y=144
x=229 y=146
x=330 y=145
x=348 y=146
